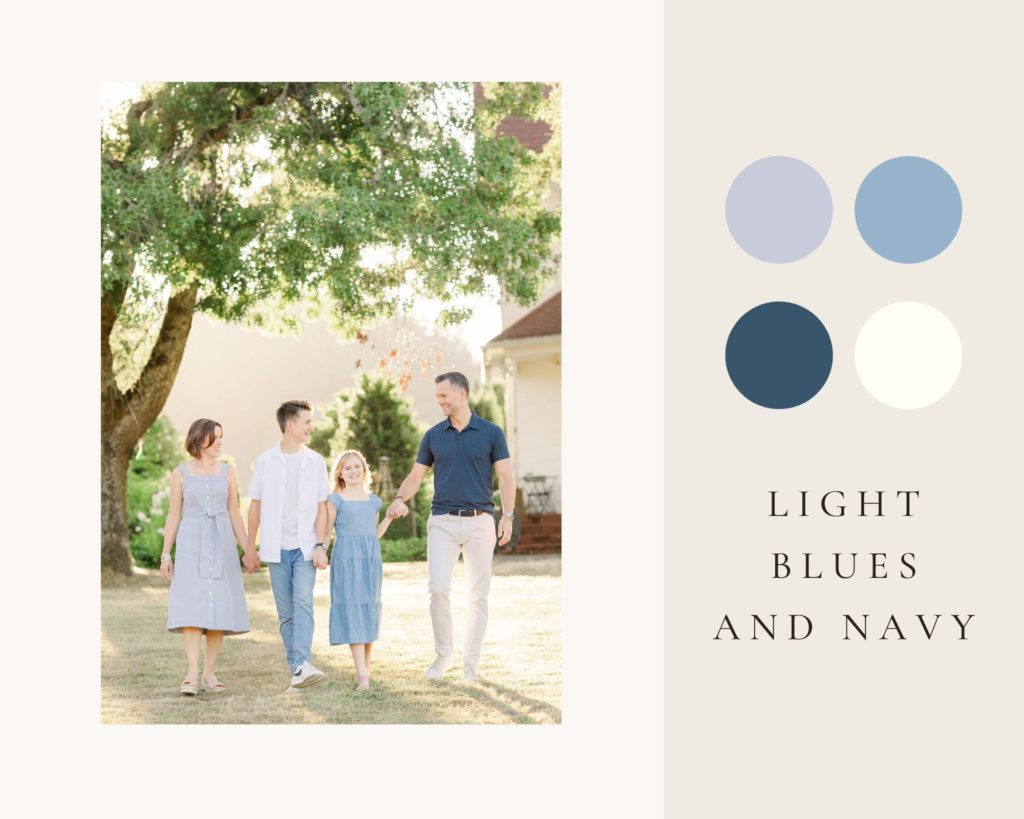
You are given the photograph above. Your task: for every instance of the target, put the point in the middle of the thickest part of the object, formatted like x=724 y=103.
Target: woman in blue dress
x=203 y=522
x=356 y=568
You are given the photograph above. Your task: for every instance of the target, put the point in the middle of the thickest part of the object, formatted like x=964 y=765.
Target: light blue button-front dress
x=206 y=586
x=356 y=572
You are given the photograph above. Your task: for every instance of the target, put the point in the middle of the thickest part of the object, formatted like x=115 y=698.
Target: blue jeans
x=292 y=581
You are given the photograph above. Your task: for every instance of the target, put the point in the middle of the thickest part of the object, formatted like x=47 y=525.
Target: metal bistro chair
x=538 y=490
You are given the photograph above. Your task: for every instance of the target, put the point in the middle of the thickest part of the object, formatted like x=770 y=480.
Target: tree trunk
x=125 y=416
x=115 y=549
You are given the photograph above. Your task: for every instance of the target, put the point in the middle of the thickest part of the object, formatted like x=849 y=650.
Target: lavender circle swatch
x=778 y=209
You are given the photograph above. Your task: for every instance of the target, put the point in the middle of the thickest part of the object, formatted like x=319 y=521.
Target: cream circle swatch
x=908 y=355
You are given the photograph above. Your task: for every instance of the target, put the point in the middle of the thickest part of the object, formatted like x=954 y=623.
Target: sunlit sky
x=485 y=322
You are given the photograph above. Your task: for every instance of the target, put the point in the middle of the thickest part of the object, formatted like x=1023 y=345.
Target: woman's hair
x=337 y=481
x=200 y=435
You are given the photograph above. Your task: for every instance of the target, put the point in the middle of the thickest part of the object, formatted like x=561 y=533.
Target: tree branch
x=360 y=112
x=146 y=397
x=110 y=305
x=216 y=133
x=134 y=122
x=359 y=109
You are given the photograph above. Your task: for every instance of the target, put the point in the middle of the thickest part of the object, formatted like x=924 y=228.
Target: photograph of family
x=331 y=403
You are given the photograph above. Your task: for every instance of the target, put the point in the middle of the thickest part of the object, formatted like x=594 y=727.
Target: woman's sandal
x=363 y=682
x=218 y=688
x=188 y=687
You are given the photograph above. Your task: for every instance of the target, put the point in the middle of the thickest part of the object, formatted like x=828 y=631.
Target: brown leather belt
x=469 y=513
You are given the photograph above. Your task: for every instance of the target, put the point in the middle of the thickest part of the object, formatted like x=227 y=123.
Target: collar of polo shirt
x=472 y=422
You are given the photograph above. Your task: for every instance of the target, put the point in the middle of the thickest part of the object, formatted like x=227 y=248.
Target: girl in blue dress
x=356 y=568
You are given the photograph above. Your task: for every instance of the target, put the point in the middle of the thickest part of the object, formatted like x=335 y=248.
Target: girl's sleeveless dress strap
x=224 y=470
x=184 y=471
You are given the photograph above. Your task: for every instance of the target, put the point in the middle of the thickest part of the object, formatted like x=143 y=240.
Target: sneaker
x=469 y=673
x=305 y=674
x=439 y=667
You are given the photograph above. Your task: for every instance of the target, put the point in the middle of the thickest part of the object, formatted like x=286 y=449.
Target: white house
x=526 y=359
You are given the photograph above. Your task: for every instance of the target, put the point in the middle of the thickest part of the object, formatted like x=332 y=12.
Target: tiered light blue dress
x=206 y=586
x=356 y=572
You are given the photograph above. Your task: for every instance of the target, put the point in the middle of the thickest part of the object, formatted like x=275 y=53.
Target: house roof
x=543 y=320
x=533 y=133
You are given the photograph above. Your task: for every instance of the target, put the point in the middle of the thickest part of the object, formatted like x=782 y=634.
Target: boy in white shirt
x=289 y=491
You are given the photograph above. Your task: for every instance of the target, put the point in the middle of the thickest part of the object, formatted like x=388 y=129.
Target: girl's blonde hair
x=338 y=482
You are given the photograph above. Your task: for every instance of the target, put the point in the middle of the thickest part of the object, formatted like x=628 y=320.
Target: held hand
x=320 y=558
x=397 y=509
x=251 y=560
x=166 y=569
x=504 y=531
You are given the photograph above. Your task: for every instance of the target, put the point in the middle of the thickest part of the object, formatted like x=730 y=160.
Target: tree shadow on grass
x=516 y=706
x=554 y=712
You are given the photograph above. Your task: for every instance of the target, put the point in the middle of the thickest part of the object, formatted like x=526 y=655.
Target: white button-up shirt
x=269 y=477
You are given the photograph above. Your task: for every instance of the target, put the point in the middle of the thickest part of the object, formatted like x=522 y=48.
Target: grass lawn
x=521 y=667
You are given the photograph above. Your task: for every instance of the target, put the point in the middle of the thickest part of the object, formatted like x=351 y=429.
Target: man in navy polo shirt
x=462 y=449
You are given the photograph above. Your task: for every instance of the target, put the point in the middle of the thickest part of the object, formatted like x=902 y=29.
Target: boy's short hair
x=289 y=410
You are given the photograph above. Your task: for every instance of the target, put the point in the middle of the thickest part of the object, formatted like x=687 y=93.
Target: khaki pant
x=475 y=537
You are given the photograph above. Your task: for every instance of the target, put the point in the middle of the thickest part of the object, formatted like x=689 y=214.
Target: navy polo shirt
x=462 y=463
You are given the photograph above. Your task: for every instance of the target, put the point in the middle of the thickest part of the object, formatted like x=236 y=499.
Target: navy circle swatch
x=779 y=355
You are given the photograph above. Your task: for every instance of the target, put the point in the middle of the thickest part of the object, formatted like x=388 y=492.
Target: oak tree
x=244 y=200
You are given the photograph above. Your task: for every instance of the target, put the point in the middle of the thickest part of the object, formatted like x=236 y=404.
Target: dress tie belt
x=211 y=551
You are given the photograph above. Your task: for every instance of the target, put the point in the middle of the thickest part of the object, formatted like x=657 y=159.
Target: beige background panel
x=823 y=727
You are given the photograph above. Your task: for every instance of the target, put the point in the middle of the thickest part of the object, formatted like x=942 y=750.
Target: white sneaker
x=305 y=675
x=469 y=673
x=439 y=667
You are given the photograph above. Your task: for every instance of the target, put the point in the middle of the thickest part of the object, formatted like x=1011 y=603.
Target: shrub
x=148 y=492
x=488 y=401
x=402 y=550
x=378 y=421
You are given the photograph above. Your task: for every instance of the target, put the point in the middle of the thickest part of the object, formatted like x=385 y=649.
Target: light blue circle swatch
x=778 y=209
x=908 y=209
